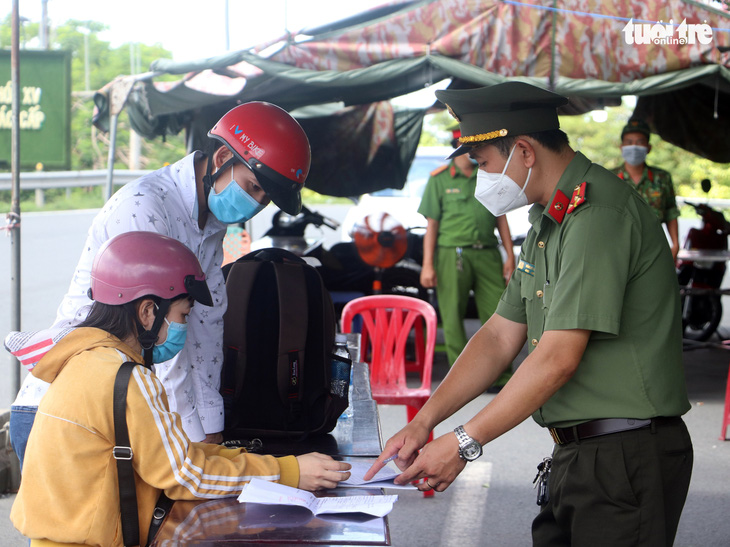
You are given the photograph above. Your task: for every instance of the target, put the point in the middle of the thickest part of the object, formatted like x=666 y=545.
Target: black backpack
x=278 y=334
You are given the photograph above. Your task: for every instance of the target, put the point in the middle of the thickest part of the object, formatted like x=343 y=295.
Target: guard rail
x=47 y=180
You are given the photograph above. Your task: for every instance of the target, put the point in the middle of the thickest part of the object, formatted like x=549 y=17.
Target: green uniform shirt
x=463 y=221
x=603 y=266
x=657 y=190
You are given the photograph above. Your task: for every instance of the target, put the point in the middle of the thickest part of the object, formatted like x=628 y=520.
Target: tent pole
x=551 y=83
x=113 y=118
x=118 y=95
x=14 y=215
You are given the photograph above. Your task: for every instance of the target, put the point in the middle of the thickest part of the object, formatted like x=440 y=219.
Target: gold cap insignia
x=452 y=113
x=469 y=139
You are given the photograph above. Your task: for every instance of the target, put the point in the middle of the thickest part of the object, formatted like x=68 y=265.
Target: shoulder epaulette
x=439 y=170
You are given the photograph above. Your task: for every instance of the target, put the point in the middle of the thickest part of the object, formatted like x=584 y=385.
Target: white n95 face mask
x=498 y=192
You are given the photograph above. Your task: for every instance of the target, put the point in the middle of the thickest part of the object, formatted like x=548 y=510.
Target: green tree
x=437 y=129
x=90 y=147
x=601 y=141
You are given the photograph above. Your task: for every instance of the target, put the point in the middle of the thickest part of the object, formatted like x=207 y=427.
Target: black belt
x=475 y=246
x=596 y=428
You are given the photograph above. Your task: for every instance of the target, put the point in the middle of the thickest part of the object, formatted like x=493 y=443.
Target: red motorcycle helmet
x=136 y=264
x=273 y=145
x=381 y=240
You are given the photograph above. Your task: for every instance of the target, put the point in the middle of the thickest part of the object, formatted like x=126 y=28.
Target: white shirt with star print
x=165 y=202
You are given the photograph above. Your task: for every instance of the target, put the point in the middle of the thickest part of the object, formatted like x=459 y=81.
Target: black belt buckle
x=557 y=436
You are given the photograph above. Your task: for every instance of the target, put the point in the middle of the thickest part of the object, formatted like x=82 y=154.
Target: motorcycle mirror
x=706 y=185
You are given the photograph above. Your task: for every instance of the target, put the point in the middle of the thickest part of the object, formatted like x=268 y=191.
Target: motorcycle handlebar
x=330 y=223
x=312 y=217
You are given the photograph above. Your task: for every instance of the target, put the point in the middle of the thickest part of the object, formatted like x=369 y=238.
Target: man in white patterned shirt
x=258 y=153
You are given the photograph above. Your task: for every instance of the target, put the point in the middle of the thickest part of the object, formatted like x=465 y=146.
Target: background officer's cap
x=510 y=108
x=636 y=126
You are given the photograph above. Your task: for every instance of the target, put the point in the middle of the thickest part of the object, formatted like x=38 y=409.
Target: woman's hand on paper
x=318 y=471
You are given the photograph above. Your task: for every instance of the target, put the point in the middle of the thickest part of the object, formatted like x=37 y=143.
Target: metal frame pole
x=112 y=152
x=14 y=216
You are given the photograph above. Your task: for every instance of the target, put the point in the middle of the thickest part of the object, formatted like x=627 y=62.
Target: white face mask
x=633 y=154
x=498 y=192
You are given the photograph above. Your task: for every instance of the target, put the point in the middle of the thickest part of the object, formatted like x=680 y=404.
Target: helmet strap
x=148 y=338
x=209 y=178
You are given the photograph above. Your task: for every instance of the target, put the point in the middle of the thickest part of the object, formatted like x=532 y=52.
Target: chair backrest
x=387 y=321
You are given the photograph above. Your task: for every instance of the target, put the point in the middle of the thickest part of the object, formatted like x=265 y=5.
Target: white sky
x=194 y=29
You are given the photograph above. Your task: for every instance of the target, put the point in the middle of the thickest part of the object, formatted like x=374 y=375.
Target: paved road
x=50 y=247
x=492 y=503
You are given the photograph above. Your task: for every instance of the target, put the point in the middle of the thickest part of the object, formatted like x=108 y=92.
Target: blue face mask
x=233 y=204
x=173 y=344
x=634 y=155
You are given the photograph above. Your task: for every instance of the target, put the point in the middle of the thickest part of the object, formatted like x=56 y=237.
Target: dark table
x=228 y=522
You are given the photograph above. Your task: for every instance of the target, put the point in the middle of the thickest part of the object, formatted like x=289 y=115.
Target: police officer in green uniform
x=460 y=251
x=596 y=297
x=654 y=184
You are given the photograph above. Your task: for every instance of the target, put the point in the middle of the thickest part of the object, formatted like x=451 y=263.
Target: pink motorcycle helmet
x=136 y=264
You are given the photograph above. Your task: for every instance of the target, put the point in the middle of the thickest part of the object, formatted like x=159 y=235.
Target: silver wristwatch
x=469 y=449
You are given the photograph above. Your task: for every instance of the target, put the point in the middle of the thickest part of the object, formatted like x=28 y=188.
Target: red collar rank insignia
x=579 y=196
x=526 y=267
x=558 y=206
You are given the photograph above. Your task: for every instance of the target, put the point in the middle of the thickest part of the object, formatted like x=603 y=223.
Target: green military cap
x=635 y=125
x=510 y=108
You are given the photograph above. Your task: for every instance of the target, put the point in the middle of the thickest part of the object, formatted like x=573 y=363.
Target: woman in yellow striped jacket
x=143 y=285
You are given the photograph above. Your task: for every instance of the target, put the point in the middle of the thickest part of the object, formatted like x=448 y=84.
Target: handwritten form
x=271 y=493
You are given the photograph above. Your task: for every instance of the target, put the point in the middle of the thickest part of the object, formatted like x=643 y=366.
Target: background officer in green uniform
x=595 y=296
x=460 y=251
x=654 y=184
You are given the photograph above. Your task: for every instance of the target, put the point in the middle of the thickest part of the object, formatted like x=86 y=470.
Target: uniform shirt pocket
x=455 y=196
x=527 y=288
x=547 y=296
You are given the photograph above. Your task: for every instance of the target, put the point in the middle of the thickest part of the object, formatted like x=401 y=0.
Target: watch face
x=472 y=451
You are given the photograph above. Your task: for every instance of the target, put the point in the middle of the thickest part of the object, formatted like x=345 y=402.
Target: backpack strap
x=123 y=454
x=272 y=254
x=293 y=321
x=236 y=320
x=164 y=504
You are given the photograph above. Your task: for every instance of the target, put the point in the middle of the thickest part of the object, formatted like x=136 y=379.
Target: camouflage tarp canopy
x=593 y=51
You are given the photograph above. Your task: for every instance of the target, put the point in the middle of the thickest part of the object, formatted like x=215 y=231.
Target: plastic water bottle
x=340 y=373
x=339 y=380
x=348 y=411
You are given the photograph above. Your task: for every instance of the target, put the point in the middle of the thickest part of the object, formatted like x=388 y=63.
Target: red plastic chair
x=387 y=322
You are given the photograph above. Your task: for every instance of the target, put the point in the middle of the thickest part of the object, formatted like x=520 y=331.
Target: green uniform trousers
x=480 y=271
x=618 y=490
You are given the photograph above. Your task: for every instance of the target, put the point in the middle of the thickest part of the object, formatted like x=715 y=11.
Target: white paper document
x=271 y=493
x=382 y=479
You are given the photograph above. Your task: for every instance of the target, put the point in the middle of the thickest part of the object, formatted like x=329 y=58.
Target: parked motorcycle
x=700 y=280
x=342 y=267
x=287 y=232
